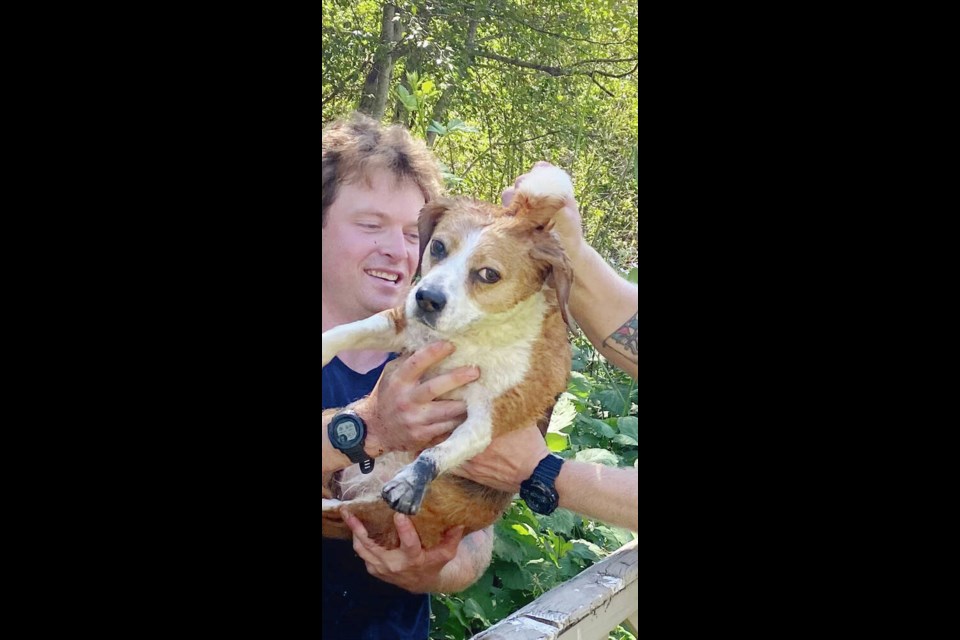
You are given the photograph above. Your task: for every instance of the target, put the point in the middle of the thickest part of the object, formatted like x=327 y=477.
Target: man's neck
x=359 y=361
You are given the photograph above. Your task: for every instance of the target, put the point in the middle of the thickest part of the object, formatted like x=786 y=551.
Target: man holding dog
x=374 y=182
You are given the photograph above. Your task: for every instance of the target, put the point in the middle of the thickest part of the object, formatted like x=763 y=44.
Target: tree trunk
x=376 y=88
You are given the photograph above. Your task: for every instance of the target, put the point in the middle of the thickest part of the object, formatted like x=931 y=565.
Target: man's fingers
x=507 y=196
x=362 y=543
x=447 y=548
x=443 y=411
x=447 y=382
x=409 y=538
x=424 y=358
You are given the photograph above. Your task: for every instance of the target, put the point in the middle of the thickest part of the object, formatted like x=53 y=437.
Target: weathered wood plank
x=632 y=623
x=586 y=607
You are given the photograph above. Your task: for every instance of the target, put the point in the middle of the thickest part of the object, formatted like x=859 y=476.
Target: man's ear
x=560 y=274
x=430 y=215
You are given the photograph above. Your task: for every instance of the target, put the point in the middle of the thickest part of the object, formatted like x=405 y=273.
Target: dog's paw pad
x=405 y=492
x=403 y=496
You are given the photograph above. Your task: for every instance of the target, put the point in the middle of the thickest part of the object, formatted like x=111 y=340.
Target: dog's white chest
x=500 y=345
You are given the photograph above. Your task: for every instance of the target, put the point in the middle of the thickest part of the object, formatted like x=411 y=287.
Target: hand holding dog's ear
x=567 y=222
x=406 y=413
x=409 y=567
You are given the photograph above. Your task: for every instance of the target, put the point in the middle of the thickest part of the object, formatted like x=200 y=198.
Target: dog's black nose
x=431 y=301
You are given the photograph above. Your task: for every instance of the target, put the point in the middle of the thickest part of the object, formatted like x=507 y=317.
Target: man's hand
x=507 y=461
x=409 y=567
x=403 y=413
x=567 y=222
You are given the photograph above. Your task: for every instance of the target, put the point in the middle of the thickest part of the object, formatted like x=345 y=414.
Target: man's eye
x=488 y=275
x=367 y=225
x=437 y=250
x=413 y=237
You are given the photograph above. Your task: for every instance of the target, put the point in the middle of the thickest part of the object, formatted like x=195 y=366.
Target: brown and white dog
x=495 y=283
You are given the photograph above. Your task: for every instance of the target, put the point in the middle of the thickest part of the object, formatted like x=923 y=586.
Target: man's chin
x=381 y=302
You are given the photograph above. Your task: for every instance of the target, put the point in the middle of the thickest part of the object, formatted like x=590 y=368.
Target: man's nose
x=392 y=244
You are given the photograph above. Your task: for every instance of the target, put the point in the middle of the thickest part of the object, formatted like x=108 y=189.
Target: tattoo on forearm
x=624 y=339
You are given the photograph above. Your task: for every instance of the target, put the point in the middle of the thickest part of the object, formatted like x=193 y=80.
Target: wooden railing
x=586 y=607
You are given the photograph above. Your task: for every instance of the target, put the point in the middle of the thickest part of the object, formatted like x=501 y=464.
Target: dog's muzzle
x=429 y=305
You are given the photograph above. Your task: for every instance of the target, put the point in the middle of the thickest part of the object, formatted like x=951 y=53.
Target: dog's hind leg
x=376 y=332
x=406 y=491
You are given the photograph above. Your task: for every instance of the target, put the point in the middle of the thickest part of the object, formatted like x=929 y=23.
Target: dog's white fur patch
x=450 y=277
x=546 y=181
x=500 y=344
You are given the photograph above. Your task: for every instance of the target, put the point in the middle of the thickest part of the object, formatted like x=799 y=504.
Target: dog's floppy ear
x=560 y=274
x=538 y=211
x=540 y=195
x=430 y=215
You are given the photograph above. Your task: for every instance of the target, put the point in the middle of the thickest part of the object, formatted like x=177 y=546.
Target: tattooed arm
x=604 y=304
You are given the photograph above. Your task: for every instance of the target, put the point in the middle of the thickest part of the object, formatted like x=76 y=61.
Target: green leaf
x=628 y=426
x=473 y=610
x=614 y=398
x=579 y=385
x=560 y=521
x=584 y=439
x=599 y=456
x=597 y=427
x=586 y=550
x=507 y=549
x=513 y=577
x=409 y=101
x=557 y=442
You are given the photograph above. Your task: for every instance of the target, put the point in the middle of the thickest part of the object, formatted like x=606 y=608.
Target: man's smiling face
x=370 y=245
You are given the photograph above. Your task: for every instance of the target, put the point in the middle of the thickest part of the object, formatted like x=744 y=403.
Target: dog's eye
x=488 y=275
x=437 y=250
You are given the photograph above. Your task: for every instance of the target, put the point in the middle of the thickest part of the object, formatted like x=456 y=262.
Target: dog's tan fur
x=516 y=241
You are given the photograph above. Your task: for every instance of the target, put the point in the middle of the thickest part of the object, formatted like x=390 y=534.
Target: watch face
x=540 y=497
x=347 y=433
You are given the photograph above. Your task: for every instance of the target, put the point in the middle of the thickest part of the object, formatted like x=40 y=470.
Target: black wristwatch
x=347 y=432
x=538 y=491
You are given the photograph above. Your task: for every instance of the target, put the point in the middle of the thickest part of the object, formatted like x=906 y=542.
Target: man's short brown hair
x=354 y=147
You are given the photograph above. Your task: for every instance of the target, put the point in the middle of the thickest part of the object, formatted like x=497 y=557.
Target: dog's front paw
x=405 y=492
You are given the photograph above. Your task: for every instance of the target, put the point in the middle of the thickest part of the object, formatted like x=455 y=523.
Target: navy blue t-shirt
x=357 y=606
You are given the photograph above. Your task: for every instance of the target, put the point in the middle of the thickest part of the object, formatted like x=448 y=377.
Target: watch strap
x=548 y=469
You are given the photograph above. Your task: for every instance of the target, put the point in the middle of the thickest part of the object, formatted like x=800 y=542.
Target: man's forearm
x=608 y=494
x=472 y=559
x=605 y=305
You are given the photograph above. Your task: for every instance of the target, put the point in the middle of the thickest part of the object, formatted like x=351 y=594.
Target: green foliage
x=596 y=420
x=459 y=74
